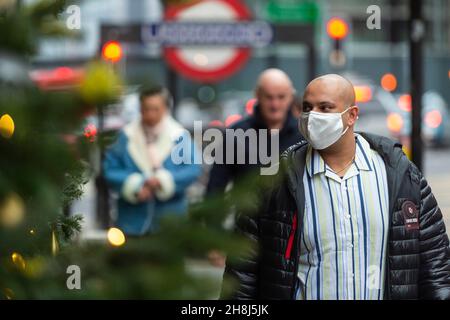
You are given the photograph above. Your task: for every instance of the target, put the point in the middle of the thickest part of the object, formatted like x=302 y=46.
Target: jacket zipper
x=290 y=243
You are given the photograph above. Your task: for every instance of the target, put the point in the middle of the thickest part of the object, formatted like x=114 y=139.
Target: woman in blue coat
x=140 y=166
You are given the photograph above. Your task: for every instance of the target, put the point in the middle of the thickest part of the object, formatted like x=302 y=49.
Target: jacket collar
x=137 y=145
x=290 y=123
x=293 y=162
x=363 y=158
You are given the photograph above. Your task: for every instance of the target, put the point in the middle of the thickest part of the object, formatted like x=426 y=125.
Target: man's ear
x=353 y=115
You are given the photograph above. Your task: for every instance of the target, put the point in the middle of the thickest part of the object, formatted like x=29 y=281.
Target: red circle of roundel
x=173 y=58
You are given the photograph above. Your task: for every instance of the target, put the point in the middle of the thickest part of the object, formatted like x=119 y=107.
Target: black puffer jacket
x=418 y=261
x=221 y=174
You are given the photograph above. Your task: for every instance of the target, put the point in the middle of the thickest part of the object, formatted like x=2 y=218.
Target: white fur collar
x=137 y=146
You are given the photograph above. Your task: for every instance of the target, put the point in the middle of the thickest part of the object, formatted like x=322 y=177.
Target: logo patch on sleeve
x=410 y=215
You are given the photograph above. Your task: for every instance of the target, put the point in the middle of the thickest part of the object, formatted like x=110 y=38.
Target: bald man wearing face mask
x=351 y=218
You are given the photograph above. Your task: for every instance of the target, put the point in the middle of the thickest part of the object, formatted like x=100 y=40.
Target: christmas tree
x=43 y=154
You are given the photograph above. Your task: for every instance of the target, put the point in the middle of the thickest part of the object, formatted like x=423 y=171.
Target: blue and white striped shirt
x=343 y=247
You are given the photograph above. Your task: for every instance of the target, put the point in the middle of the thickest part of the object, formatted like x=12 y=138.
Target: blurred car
x=375 y=104
x=435 y=118
x=229 y=107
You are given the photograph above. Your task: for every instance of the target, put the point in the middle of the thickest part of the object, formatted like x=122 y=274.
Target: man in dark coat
x=275 y=96
x=350 y=217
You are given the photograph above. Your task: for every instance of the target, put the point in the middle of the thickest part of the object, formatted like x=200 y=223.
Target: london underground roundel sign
x=208 y=63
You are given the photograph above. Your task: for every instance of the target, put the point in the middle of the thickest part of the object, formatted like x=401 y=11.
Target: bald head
x=273 y=77
x=332 y=87
x=332 y=93
x=275 y=94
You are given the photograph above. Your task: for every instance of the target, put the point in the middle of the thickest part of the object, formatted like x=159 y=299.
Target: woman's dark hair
x=156 y=91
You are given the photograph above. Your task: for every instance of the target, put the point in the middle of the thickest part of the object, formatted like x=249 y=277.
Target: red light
x=112 y=51
x=90 y=132
x=389 y=82
x=337 y=28
x=250 y=106
x=404 y=102
x=433 y=119
x=215 y=123
x=232 y=119
x=58 y=78
x=363 y=93
x=63 y=72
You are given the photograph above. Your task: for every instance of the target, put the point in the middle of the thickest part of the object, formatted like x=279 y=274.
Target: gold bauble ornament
x=101 y=84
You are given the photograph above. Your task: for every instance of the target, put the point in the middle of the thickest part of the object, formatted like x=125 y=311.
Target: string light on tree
x=18 y=261
x=6 y=126
x=116 y=237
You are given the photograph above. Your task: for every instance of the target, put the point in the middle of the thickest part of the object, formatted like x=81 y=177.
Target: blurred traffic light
x=389 y=82
x=112 y=51
x=337 y=30
x=404 y=102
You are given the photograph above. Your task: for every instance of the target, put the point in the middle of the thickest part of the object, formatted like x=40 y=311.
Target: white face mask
x=322 y=130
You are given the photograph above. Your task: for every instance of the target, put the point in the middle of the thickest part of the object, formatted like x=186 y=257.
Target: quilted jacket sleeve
x=243 y=272
x=434 y=277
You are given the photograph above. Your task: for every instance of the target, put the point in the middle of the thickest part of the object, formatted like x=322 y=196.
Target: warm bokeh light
x=116 y=237
x=12 y=211
x=389 y=82
x=394 y=122
x=232 y=119
x=6 y=126
x=433 y=119
x=112 y=51
x=18 y=260
x=363 y=93
x=404 y=102
x=337 y=28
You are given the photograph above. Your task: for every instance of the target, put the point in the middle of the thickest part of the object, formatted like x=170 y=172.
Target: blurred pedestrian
x=352 y=218
x=140 y=169
x=275 y=98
